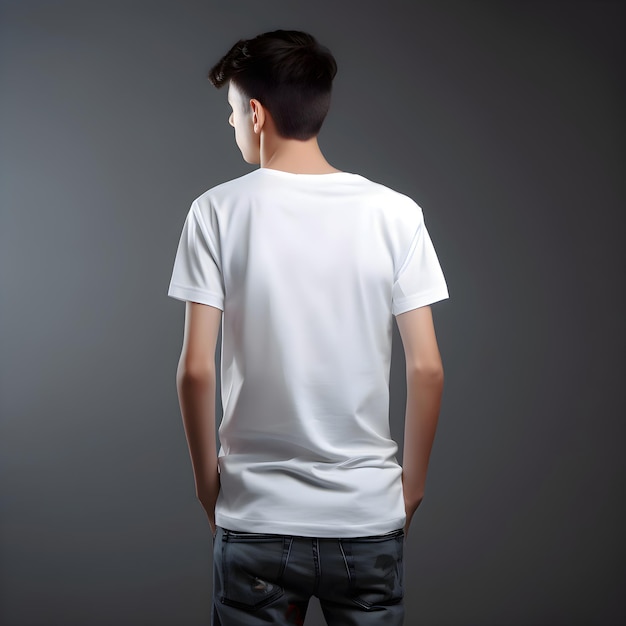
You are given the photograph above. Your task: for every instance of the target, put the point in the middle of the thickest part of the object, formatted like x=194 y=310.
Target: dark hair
x=288 y=72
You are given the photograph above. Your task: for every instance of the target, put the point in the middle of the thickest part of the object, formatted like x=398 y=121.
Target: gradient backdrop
x=504 y=120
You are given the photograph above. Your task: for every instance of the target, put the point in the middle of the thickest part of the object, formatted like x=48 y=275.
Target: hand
x=208 y=504
x=212 y=525
x=410 y=509
x=209 y=508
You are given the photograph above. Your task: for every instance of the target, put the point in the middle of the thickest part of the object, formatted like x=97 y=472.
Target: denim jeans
x=261 y=578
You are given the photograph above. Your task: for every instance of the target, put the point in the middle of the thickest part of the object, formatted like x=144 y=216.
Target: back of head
x=288 y=72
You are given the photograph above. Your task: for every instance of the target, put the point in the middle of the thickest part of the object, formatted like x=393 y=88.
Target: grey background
x=503 y=120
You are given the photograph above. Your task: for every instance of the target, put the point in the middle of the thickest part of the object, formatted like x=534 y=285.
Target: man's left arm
x=196 y=385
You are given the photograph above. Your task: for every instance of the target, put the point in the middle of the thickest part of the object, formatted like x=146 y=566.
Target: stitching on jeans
x=345 y=561
x=224 y=578
x=287 y=543
x=316 y=546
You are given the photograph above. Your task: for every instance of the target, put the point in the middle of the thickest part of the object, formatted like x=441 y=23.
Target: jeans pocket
x=376 y=568
x=251 y=567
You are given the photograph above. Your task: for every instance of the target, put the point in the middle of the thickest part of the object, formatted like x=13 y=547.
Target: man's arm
x=424 y=378
x=195 y=381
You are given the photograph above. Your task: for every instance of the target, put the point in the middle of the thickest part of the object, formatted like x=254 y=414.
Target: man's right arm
x=424 y=381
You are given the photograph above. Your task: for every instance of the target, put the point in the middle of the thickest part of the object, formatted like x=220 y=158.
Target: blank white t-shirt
x=308 y=270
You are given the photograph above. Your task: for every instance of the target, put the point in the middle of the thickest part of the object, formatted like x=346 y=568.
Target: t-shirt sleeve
x=419 y=281
x=197 y=274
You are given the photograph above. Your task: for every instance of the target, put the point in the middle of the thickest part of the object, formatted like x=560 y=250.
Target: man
x=305 y=266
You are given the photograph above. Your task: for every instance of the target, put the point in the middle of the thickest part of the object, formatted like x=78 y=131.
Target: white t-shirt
x=309 y=270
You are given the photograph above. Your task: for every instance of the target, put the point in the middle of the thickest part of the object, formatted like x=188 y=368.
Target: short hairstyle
x=288 y=72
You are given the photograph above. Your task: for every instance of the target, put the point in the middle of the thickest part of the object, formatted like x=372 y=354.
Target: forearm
x=422 y=413
x=196 y=394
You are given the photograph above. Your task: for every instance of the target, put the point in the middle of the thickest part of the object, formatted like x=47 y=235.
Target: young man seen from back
x=305 y=266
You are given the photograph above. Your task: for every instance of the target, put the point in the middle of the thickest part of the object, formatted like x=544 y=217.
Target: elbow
x=425 y=371
x=197 y=372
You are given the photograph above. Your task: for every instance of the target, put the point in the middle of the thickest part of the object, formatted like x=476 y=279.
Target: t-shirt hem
x=308 y=530
x=193 y=294
x=414 y=302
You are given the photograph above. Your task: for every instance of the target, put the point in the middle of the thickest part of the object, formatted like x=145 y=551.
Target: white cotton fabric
x=309 y=270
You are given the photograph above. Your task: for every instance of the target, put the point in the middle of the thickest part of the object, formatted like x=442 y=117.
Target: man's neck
x=292 y=155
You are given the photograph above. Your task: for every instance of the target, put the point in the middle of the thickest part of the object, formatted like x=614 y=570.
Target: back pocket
x=252 y=566
x=376 y=568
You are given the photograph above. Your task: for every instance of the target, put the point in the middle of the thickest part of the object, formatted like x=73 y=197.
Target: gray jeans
x=261 y=578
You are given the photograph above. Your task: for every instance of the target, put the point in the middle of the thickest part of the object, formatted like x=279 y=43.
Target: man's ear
x=258 y=114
